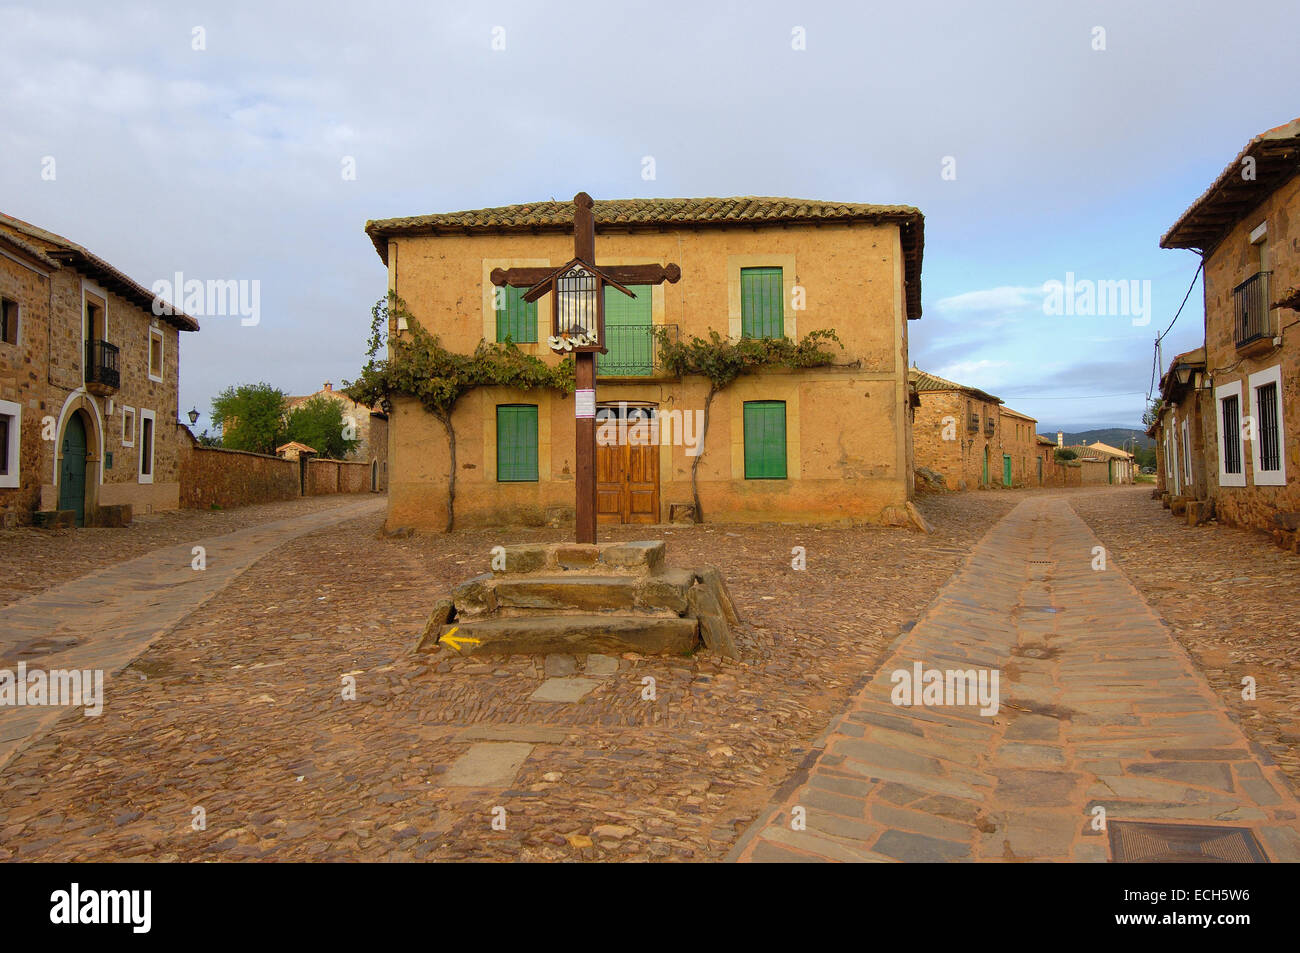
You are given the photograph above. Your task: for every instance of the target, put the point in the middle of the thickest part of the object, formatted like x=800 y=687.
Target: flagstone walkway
x=1100 y=708
x=106 y=619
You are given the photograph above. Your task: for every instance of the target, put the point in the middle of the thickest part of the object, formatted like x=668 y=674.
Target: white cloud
x=1002 y=298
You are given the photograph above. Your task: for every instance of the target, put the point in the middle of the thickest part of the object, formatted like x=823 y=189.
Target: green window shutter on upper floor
x=516 y=443
x=762 y=303
x=516 y=318
x=765 y=440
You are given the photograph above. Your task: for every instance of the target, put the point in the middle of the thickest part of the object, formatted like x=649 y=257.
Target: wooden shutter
x=516 y=443
x=762 y=303
x=765 y=440
x=516 y=318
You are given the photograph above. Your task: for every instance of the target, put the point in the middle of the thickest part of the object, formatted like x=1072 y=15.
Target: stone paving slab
x=106 y=619
x=1099 y=707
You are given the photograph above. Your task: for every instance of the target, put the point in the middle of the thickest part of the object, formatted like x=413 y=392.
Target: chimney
x=1060 y=439
x=329 y=386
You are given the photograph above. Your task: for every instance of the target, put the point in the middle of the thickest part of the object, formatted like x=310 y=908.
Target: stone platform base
x=574 y=599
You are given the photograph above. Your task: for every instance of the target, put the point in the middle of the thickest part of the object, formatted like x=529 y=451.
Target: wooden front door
x=627 y=474
x=72 y=469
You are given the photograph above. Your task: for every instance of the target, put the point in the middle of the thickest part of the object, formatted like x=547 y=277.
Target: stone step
x=575 y=635
x=663 y=593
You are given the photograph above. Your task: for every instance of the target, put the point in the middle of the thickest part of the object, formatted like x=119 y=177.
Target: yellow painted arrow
x=456 y=641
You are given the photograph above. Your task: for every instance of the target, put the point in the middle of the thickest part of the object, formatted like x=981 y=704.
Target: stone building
x=1049 y=470
x=1235 y=400
x=1103 y=464
x=956 y=431
x=813 y=444
x=88 y=384
x=355 y=415
x=1019 y=447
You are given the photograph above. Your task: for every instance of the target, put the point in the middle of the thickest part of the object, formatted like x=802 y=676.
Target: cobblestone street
x=239 y=709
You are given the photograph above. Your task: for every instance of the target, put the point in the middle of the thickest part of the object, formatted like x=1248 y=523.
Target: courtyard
x=228 y=702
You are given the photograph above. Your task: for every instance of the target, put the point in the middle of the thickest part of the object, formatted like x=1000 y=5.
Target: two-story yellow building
x=816 y=444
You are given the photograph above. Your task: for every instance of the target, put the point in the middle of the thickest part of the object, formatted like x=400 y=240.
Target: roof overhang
x=1274 y=158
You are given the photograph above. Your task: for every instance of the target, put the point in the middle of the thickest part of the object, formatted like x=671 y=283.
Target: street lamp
x=194 y=417
x=1184 y=373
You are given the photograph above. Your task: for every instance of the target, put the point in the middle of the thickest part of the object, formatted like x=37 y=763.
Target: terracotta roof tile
x=739 y=210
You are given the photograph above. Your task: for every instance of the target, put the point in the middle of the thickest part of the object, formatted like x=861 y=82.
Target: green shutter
x=628 y=324
x=516 y=318
x=765 y=440
x=762 y=303
x=516 y=443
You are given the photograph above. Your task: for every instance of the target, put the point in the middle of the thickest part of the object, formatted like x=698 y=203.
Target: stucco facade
x=847 y=440
x=119 y=397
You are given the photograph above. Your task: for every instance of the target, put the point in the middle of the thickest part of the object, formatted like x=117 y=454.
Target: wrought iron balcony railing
x=1250 y=304
x=990 y=426
x=634 y=350
x=101 y=364
x=973 y=423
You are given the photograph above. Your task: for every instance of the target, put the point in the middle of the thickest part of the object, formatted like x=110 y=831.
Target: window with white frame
x=1187 y=452
x=1227 y=400
x=155 y=354
x=11 y=428
x=128 y=426
x=1267 y=449
x=147 y=423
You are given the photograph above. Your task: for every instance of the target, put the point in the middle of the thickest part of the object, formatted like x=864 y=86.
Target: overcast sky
x=227 y=162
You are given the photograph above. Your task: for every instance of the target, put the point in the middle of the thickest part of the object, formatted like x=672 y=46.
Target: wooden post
x=585 y=453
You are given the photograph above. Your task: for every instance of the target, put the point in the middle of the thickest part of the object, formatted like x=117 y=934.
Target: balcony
x=634 y=350
x=990 y=426
x=1250 y=306
x=101 y=374
x=973 y=423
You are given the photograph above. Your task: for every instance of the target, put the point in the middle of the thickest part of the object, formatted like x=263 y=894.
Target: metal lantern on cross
x=578 y=327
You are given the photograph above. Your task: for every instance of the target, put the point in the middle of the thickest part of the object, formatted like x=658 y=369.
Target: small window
x=155 y=354
x=765 y=440
x=146 y=445
x=517 y=443
x=11 y=415
x=762 y=303
x=128 y=426
x=1228 y=398
x=8 y=321
x=516 y=318
x=1268 y=450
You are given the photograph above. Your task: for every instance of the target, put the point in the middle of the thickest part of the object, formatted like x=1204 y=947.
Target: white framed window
x=1267 y=447
x=156 y=354
x=1187 y=450
x=1227 y=403
x=148 y=437
x=11 y=429
x=128 y=426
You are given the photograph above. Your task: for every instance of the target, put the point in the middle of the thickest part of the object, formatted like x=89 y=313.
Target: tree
x=206 y=439
x=1065 y=455
x=318 y=423
x=720 y=361
x=251 y=417
x=1152 y=413
x=419 y=366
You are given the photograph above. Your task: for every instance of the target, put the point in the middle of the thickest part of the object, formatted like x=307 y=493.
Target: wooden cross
x=578 y=327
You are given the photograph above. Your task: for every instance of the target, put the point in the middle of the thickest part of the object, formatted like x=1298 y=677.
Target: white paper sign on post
x=584 y=403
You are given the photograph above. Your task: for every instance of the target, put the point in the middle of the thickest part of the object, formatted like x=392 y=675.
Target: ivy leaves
x=420 y=367
x=721 y=361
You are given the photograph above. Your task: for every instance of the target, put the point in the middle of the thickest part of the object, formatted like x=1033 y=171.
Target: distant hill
x=1115 y=436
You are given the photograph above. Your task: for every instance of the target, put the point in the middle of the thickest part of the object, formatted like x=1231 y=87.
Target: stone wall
x=225 y=478
x=1234 y=260
x=334 y=476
